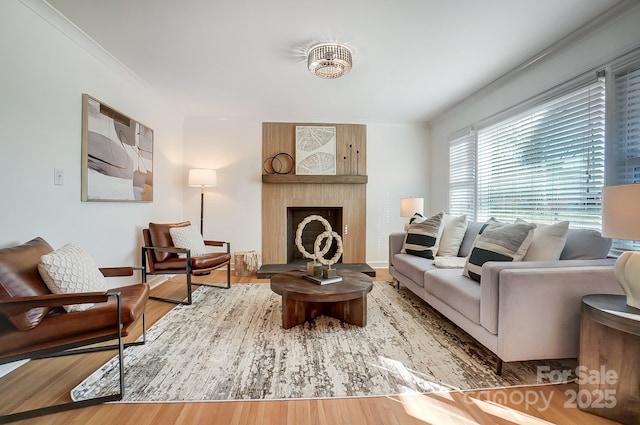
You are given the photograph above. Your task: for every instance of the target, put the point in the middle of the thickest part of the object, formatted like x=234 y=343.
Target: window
x=625 y=134
x=462 y=176
x=546 y=164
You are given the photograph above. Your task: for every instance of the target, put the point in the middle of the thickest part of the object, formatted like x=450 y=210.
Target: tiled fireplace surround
x=344 y=190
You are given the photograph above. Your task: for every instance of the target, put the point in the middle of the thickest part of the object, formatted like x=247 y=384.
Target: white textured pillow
x=70 y=269
x=188 y=237
x=452 y=235
x=548 y=241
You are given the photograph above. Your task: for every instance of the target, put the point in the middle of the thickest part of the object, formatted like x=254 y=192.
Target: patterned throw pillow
x=188 y=237
x=422 y=237
x=417 y=218
x=498 y=242
x=70 y=270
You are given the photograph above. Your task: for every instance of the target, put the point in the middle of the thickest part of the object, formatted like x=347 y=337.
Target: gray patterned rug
x=229 y=345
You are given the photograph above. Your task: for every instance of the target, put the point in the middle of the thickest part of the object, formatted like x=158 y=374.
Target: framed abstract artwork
x=117 y=155
x=315 y=150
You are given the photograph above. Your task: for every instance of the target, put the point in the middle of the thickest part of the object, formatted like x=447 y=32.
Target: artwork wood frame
x=315 y=150
x=117 y=155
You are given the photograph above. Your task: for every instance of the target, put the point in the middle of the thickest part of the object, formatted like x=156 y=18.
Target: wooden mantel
x=292 y=179
x=346 y=189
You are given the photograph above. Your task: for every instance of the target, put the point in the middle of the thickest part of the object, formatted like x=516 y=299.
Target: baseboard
x=158 y=280
x=378 y=264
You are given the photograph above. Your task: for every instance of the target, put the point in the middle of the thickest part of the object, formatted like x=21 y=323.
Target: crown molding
x=58 y=21
x=596 y=24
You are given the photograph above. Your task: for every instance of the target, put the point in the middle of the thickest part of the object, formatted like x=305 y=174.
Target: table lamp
x=411 y=206
x=621 y=220
x=202 y=177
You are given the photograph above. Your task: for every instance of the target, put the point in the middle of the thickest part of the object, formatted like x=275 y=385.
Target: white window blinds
x=546 y=164
x=462 y=175
x=625 y=164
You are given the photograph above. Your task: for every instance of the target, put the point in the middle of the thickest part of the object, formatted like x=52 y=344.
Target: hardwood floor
x=49 y=381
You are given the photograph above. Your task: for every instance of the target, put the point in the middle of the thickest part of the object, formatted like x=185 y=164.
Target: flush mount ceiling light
x=329 y=60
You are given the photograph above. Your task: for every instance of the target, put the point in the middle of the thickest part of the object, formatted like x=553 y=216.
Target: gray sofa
x=527 y=310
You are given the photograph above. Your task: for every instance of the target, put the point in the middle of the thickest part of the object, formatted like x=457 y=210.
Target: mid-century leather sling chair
x=34 y=325
x=161 y=256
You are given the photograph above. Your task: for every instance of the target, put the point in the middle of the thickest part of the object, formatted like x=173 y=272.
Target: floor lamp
x=202 y=177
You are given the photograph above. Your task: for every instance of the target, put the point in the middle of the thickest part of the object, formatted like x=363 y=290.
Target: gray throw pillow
x=585 y=244
x=473 y=228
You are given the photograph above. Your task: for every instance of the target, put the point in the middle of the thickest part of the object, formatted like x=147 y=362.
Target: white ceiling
x=246 y=58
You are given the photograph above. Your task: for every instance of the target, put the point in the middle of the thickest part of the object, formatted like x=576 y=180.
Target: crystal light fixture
x=329 y=60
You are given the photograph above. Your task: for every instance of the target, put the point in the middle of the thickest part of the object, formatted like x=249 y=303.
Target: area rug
x=230 y=345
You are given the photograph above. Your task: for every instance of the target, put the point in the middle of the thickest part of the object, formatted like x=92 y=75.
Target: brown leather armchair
x=160 y=256
x=34 y=325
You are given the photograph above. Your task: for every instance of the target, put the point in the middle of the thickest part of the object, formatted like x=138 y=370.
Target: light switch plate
x=58 y=177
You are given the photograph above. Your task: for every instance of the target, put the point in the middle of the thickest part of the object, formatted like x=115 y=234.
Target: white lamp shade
x=410 y=206
x=621 y=211
x=202 y=177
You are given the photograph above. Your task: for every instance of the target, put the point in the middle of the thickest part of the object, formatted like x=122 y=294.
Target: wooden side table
x=609 y=371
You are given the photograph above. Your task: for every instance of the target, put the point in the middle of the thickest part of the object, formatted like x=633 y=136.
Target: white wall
x=232 y=209
x=397 y=161
x=45 y=70
x=397 y=164
x=617 y=37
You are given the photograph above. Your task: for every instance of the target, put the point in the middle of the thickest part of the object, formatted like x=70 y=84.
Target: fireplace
x=316 y=194
x=295 y=215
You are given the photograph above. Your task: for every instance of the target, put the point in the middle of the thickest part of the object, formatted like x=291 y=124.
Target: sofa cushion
x=585 y=244
x=473 y=229
x=413 y=267
x=161 y=238
x=453 y=232
x=423 y=238
x=188 y=237
x=71 y=269
x=548 y=241
x=19 y=277
x=456 y=290
x=498 y=242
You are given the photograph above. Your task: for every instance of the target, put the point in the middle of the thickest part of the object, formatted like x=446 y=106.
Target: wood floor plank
x=50 y=380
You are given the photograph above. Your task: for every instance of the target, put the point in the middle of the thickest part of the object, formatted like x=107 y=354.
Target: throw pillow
x=585 y=244
x=548 y=241
x=422 y=238
x=452 y=234
x=70 y=269
x=188 y=237
x=498 y=242
x=417 y=218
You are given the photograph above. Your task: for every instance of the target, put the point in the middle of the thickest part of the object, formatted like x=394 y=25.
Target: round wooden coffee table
x=303 y=300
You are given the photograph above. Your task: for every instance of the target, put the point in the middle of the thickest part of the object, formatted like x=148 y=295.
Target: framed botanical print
x=315 y=150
